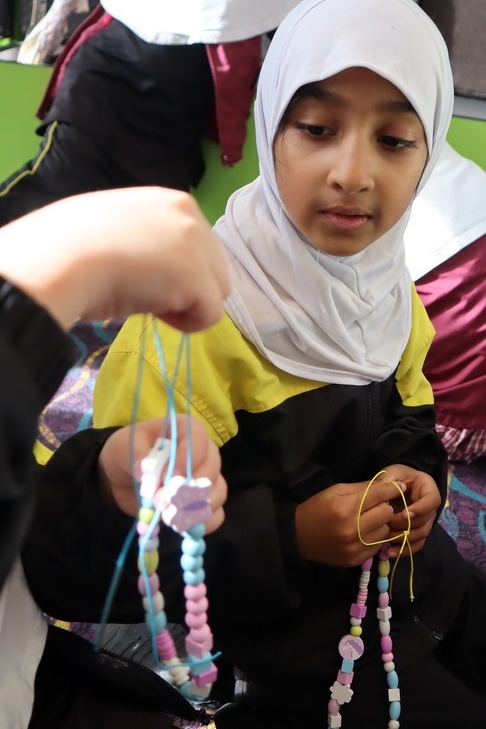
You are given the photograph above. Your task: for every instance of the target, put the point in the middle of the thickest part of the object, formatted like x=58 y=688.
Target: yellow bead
x=151 y=561
x=383 y=568
x=145 y=515
x=356 y=630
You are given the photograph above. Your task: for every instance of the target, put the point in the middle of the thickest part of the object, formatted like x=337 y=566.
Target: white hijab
x=327 y=318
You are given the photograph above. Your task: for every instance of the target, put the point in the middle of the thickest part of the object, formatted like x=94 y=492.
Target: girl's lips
x=345 y=221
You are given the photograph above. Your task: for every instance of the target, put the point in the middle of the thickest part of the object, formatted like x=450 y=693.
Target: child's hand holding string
x=423 y=499
x=115 y=467
x=326 y=524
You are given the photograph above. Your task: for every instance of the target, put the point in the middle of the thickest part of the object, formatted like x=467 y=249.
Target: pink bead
x=195 y=592
x=366 y=566
x=345 y=678
x=200 y=634
x=209 y=676
x=386 y=644
x=383 y=599
x=154 y=584
x=357 y=611
x=383 y=555
x=387 y=657
x=200 y=649
x=143 y=528
x=196 y=621
x=165 y=645
x=197 y=606
x=333 y=707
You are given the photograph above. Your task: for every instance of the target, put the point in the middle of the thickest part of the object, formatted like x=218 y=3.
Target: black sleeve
x=35 y=354
x=409 y=437
x=76 y=538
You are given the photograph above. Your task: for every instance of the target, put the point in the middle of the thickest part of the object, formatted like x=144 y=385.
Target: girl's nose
x=352 y=167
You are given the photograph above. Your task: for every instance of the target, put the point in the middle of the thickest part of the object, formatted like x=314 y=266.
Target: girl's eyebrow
x=312 y=91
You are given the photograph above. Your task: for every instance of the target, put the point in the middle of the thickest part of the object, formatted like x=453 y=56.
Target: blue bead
x=147 y=501
x=197 y=531
x=186 y=690
x=195 y=547
x=382 y=583
x=159 y=622
x=194 y=578
x=347 y=666
x=395 y=710
x=190 y=563
x=392 y=678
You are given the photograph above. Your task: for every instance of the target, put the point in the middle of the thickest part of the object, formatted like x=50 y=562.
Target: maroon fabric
x=455 y=297
x=235 y=68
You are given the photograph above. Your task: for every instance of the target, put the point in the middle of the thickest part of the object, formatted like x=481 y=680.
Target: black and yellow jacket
x=275 y=616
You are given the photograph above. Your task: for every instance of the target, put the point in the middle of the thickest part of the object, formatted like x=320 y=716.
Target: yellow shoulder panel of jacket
x=227 y=374
x=413 y=386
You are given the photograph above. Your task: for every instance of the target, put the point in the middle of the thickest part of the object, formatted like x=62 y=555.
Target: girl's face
x=348 y=160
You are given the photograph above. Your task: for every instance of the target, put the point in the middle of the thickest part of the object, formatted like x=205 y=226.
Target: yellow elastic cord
x=37 y=163
x=404 y=535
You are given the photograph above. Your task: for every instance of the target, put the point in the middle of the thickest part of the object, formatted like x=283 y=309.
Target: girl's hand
x=115 y=469
x=423 y=499
x=327 y=523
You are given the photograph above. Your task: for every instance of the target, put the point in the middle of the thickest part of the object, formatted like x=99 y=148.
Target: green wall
x=22 y=87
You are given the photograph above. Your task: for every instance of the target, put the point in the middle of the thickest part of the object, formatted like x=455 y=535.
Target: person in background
x=445 y=247
x=136 y=89
x=312 y=386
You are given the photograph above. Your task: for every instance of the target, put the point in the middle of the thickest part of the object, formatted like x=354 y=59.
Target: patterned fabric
x=463 y=444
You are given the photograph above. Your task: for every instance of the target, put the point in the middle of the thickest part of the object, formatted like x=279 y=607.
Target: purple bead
x=386 y=644
x=366 y=566
x=143 y=528
x=357 y=611
x=383 y=599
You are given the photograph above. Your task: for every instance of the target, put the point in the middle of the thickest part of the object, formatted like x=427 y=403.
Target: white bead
x=364 y=580
x=158 y=603
x=334 y=721
x=355 y=621
x=179 y=673
x=384 y=626
x=394 y=694
x=341 y=693
x=384 y=613
x=393 y=724
x=389 y=666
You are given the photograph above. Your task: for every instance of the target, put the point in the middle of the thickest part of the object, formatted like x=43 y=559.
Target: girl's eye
x=397 y=143
x=314 y=130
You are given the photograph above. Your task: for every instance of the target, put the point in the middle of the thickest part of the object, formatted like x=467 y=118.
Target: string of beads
x=351 y=645
x=185 y=507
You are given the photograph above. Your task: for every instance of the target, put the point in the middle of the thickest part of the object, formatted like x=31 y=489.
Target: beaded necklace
x=185 y=507
x=351 y=645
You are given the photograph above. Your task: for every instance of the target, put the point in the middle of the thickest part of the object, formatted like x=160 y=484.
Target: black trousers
x=126 y=113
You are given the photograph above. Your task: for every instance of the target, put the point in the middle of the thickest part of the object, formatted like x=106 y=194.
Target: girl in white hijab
x=313 y=384
x=348 y=319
